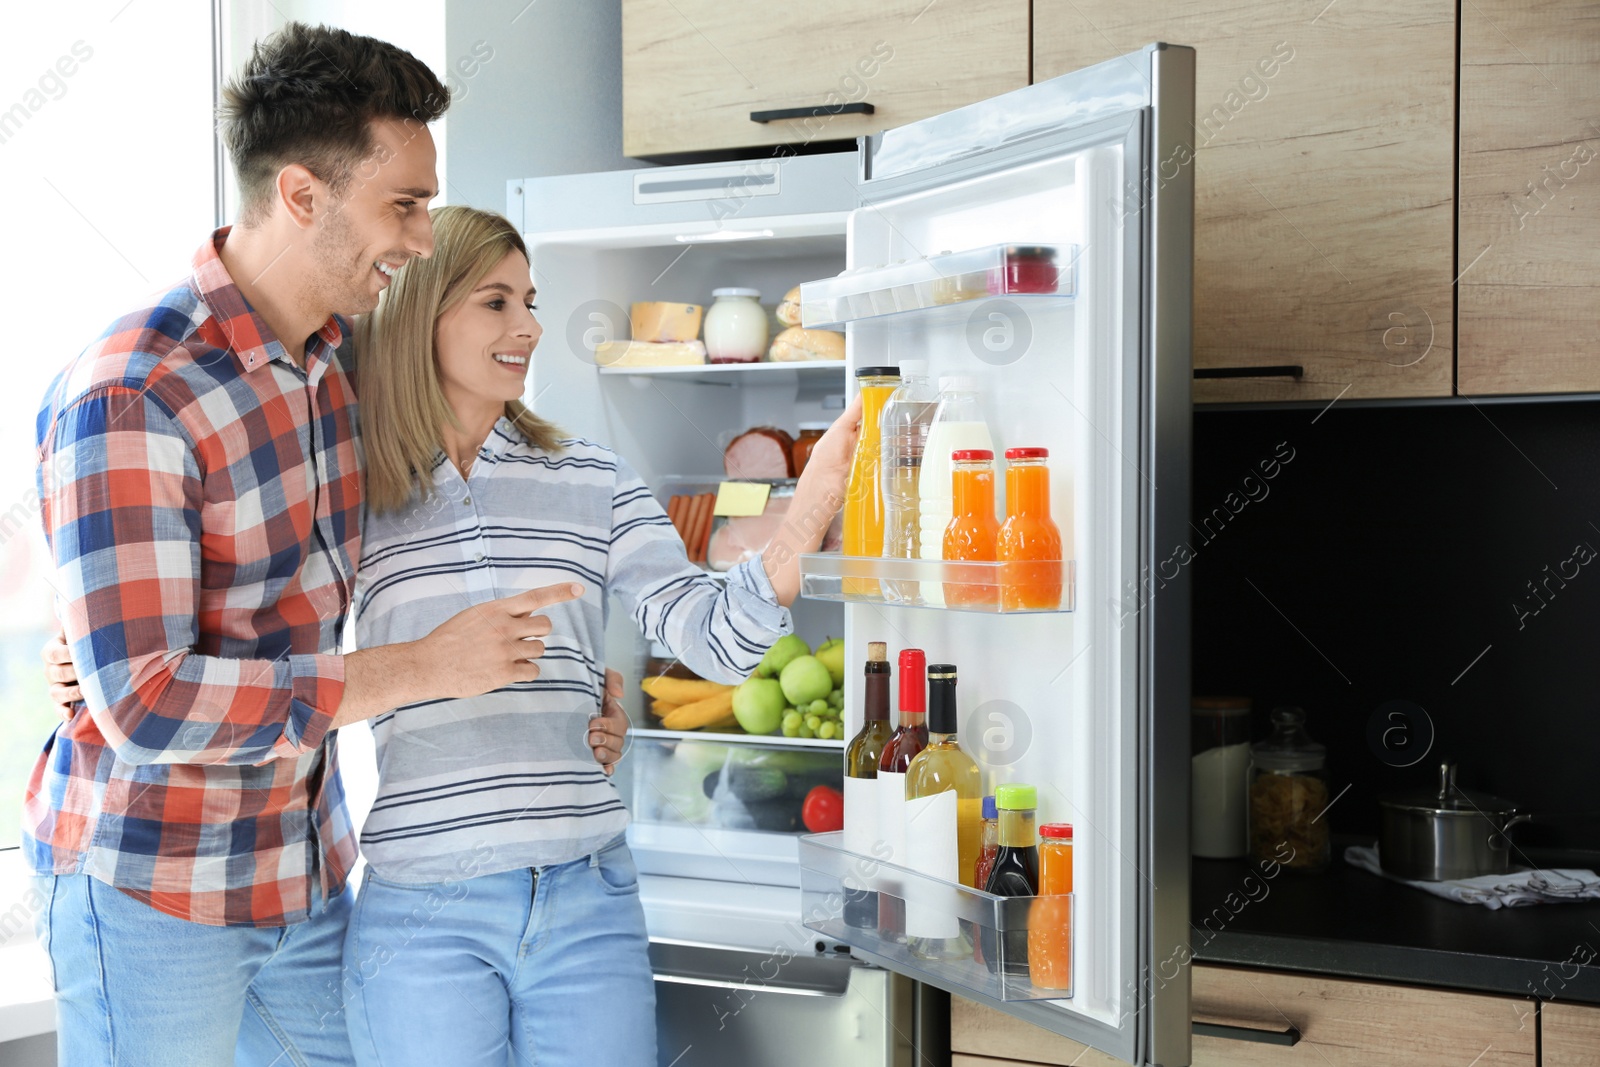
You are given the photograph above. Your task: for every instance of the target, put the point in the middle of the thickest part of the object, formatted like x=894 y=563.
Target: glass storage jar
x=1219 y=730
x=1289 y=796
x=736 y=327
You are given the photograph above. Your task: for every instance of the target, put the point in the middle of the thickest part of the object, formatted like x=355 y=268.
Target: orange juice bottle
x=1029 y=544
x=1050 y=917
x=863 y=502
x=972 y=531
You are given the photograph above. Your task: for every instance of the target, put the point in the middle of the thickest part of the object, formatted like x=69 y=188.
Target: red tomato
x=823 y=810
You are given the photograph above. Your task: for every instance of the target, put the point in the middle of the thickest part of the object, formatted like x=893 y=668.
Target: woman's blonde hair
x=403 y=409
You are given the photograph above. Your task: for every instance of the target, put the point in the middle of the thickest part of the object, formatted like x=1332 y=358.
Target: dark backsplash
x=1391 y=547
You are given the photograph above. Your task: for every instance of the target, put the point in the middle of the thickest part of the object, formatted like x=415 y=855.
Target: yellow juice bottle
x=863 y=504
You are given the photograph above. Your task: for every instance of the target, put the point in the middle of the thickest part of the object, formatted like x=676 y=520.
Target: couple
x=208 y=491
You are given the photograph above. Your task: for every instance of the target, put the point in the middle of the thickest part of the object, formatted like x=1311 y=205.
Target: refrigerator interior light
x=722 y=235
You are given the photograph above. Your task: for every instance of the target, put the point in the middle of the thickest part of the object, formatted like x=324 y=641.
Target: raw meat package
x=739 y=539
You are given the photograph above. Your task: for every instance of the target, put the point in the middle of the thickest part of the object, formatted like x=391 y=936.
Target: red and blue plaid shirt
x=202 y=499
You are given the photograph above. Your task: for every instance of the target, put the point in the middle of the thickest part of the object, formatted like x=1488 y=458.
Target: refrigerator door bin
x=950 y=278
x=987 y=936
x=904 y=582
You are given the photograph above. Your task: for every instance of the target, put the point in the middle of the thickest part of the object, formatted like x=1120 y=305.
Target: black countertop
x=1351 y=923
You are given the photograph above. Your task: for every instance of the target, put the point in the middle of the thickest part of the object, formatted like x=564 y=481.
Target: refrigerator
x=1040 y=243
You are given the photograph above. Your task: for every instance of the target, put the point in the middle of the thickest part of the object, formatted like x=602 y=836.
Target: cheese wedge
x=663 y=322
x=649 y=354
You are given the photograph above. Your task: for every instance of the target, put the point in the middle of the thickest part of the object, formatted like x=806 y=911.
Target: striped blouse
x=507 y=780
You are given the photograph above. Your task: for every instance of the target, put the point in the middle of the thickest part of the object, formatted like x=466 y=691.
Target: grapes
x=818 y=707
x=805 y=731
x=791 y=724
x=836 y=698
x=826 y=731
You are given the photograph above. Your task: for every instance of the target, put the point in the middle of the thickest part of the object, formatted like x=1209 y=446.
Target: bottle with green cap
x=1015 y=873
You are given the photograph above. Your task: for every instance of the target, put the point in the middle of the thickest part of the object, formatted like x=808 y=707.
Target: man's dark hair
x=307 y=95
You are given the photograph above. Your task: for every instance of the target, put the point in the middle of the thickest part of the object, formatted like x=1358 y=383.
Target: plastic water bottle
x=904 y=434
x=958 y=423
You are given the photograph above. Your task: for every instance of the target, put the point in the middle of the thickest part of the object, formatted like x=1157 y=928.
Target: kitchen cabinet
x=1323 y=156
x=1569 y=1035
x=1340 y=1022
x=693 y=71
x=1530 y=197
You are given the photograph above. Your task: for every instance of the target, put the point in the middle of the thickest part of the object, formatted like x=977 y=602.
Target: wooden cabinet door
x=1324 y=150
x=694 y=70
x=1342 y=1023
x=1569 y=1035
x=1530 y=197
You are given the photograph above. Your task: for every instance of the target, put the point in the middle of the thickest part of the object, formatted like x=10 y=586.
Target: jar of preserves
x=810 y=434
x=736 y=327
x=1289 y=796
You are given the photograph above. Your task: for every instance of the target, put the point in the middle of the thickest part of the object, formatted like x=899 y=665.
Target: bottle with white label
x=909 y=738
x=861 y=758
x=944 y=821
x=958 y=424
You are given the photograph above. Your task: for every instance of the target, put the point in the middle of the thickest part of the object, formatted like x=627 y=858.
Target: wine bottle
x=860 y=782
x=909 y=738
x=944 y=812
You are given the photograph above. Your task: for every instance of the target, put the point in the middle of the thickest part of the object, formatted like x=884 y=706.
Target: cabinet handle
x=1285 y=370
x=1288 y=1037
x=860 y=107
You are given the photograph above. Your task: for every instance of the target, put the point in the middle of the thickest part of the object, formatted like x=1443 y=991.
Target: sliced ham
x=764 y=452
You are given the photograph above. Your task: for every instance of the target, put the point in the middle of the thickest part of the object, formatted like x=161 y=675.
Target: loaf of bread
x=789 y=310
x=797 y=345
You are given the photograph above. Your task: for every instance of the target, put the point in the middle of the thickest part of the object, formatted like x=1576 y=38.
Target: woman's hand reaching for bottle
x=817 y=499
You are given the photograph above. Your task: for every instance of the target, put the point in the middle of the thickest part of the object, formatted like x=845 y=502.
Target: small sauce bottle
x=1015 y=874
x=810 y=434
x=1029 y=543
x=1050 y=918
x=988 y=843
x=973 y=530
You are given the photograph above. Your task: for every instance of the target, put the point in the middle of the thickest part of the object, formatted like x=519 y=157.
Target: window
x=107 y=176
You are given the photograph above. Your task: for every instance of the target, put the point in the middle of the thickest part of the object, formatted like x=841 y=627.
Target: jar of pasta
x=1288 y=796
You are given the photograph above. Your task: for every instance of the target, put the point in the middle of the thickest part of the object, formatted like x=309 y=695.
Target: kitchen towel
x=1517 y=889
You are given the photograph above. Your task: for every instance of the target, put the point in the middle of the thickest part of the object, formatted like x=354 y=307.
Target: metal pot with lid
x=1445 y=832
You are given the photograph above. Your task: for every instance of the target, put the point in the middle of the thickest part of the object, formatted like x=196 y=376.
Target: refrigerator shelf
x=821 y=372
x=948 y=280
x=736 y=737
x=924 y=583
x=841 y=892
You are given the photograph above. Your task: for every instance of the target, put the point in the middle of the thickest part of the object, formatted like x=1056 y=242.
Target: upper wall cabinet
x=694 y=72
x=1530 y=197
x=1324 y=149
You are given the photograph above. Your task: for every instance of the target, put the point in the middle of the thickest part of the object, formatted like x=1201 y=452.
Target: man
x=200 y=475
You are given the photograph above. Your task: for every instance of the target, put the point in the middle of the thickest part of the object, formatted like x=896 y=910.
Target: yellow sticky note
x=741 y=498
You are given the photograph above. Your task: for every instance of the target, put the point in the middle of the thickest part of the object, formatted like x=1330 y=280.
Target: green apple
x=804 y=680
x=758 y=704
x=831 y=653
x=788 y=648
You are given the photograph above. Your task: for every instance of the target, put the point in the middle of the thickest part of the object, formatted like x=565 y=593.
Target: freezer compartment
x=950 y=278
x=717 y=1006
x=726 y=784
x=947 y=585
x=937 y=931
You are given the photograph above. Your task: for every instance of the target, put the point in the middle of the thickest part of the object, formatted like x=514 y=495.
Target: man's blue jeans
x=137 y=986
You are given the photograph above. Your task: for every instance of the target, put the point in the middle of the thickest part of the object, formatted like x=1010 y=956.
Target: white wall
x=547 y=101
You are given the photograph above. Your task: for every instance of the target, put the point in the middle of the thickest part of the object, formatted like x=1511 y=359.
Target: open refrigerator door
x=1039 y=244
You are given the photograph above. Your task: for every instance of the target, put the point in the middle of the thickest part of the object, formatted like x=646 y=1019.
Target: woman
x=500 y=906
